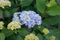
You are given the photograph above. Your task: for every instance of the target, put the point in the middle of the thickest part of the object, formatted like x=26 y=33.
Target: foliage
x=49 y=10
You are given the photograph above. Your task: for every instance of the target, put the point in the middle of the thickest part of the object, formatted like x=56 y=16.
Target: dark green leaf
x=2 y=36
x=53 y=11
x=19 y=37
x=11 y=37
x=6 y=14
x=40 y=37
x=40 y=4
x=7 y=32
x=51 y=21
x=25 y=2
x=23 y=31
x=1 y=14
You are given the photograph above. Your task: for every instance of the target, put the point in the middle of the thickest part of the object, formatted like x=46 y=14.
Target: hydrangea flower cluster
x=14 y=25
x=4 y=3
x=52 y=37
x=45 y=31
x=1 y=25
x=31 y=37
x=28 y=18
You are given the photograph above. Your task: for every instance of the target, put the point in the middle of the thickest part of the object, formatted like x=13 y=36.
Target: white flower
x=1 y=25
x=4 y=3
x=31 y=37
x=14 y=25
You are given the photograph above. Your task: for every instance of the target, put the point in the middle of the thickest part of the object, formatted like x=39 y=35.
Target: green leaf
x=53 y=11
x=23 y=31
x=40 y=4
x=19 y=37
x=11 y=37
x=6 y=13
x=7 y=32
x=2 y=36
x=51 y=21
x=40 y=37
x=25 y=2
x=1 y=14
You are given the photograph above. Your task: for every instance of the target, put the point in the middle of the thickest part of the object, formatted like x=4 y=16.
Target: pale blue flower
x=31 y=24
x=28 y=18
x=38 y=19
x=16 y=17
